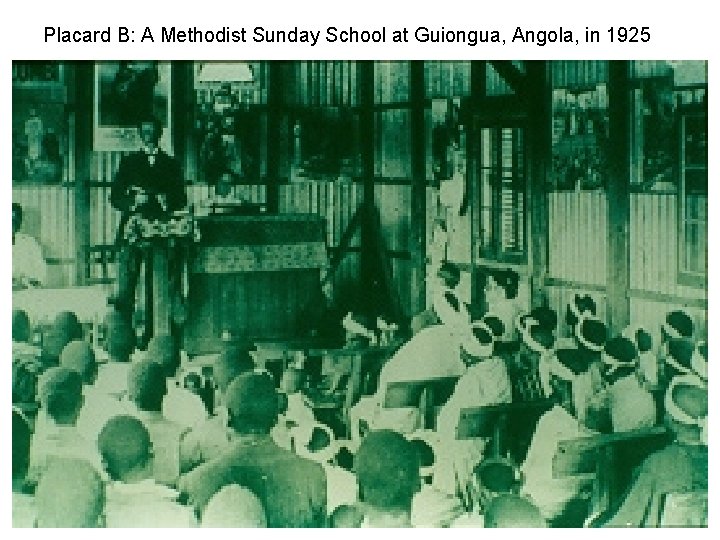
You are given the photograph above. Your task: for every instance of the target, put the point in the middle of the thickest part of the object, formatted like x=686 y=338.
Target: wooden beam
x=618 y=197
x=418 y=194
x=275 y=100
x=539 y=146
x=478 y=89
x=83 y=107
x=368 y=264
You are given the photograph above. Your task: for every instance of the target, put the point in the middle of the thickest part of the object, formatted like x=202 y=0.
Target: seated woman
x=434 y=352
x=484 y=383
x=562 y=501
x=501 y=289
x=630 y=406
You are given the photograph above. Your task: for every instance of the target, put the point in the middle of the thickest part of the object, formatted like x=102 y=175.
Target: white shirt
x=631 y=405
x=550 y=494
x=342 y=487
x=145 y=504
x=52 y=441
x=484 y=384
x=166 y=438
x=98 y=407
x=182 y=406
x=27 y=259
x=433 y=352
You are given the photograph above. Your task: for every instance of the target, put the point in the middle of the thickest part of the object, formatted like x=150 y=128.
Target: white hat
x=698 y=362
x=681 y=415
x=429 y=438
x=478 y=340
x=591 y=333
x=304 y=437
x=449 y=309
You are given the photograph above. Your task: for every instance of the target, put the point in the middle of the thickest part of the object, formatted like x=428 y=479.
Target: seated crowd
x=140 y=440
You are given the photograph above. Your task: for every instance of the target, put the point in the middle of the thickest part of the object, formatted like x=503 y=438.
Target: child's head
x=513 y=511
x=147 y=385
x=60 y=394
x=388 y=471
x=70 y=494
x=125 y=447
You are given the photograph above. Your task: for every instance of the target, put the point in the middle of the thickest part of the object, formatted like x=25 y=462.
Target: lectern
x=255 y=276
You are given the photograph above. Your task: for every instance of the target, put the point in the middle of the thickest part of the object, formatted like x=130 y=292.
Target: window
x=502 y=194
x=580 y=125
x=693 y=197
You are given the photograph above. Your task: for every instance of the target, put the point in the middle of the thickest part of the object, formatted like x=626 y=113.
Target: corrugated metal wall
x=577 y=247
x=49 y=216
x=578 y=255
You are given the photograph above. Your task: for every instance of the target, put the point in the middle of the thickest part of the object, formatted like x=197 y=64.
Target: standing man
x=148 y=184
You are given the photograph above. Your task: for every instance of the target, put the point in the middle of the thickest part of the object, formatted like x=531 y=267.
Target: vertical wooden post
x=183 y=105
x=369 y=266
x=539 y=145
x=478 y=86
x=83 y=106
x=274 y=119
x=618 y=198
x=418 y=188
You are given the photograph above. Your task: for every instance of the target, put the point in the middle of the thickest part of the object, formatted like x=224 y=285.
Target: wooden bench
x=608 y=460
x=425 y=395
x=510 y=426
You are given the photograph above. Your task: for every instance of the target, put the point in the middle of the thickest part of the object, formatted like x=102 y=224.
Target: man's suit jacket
x=164 y=177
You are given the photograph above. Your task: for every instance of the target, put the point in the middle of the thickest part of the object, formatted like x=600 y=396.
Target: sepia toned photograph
x=350 y=294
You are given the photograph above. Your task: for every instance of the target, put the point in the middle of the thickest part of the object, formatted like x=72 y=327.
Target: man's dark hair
x=124 y=443
x=146 y=385
x=388 y=471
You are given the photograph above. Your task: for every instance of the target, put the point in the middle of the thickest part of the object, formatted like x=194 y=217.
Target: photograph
x=327 y=293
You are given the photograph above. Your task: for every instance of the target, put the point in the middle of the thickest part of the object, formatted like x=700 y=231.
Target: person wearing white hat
x=553 y=496
x=686 y=358
x=677 y=325
x=500 y=290
x=434 y=352
x=630 y=405
x=647 y=358
x=430 y=506
x=537 y=347
x=485 y=382
x=682 y=466
x=584 y=359
x=317 y=443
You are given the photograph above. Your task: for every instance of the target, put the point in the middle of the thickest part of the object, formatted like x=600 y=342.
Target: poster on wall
x=41 y=143
x=126 y=92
